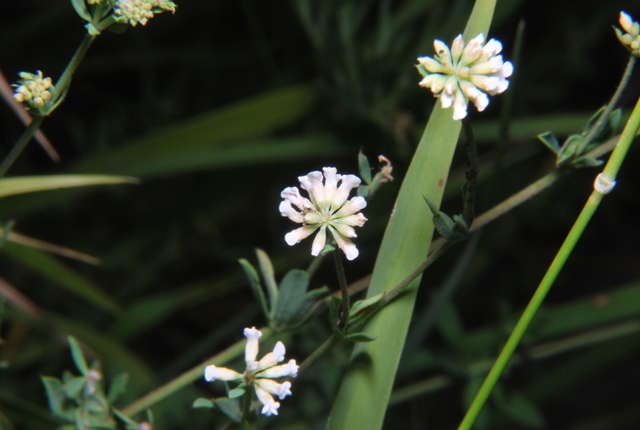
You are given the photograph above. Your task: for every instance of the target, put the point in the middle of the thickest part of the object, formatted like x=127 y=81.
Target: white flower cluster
x=327 y=209
x=140 y=11
x=631 y=37
x=466 y=72
x=260 y=374
x=35 y=90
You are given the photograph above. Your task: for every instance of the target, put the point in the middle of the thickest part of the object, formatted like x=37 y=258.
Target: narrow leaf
x=256 y=285
x=78 y=356
x=269 y=278
x=202 y=403
x=30 y=184
x=81 y=9
x=61 y=275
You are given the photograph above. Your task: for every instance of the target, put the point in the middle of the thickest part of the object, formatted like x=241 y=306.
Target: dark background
x=169 y=246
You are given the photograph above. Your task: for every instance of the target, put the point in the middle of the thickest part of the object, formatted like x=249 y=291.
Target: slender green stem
x=342 y=280
x=610 y=172
x=20 y=145
x=332 y=341
x=60 y=90
x=187 y=377
x=604 y=117
x=65 y=79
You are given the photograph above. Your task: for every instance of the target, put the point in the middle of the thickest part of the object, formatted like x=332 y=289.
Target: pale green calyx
x=137 y=12
x=466 y=72
x=260 y=374
x=630 y=38
x=326 y=208
x=35 y=91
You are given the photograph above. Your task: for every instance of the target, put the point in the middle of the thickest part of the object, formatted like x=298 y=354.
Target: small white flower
x=458 y=75
x=326 y=208
x=260 y=373
x=631 y=36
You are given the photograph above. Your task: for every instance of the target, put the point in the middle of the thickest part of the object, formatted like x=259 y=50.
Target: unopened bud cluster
x=34 y=90
x=137 y=12
x=631 y=37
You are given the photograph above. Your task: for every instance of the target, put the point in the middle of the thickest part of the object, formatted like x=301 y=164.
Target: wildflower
x=260 y=373
x=458 y=75
x=631 y=38
x=327 y=209
x=35 y=90
x=140 y=11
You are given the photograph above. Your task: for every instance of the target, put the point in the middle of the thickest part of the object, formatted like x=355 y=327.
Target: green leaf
x=364 y=168
x=81 y=9
x=236 y=392
x=59 y=274
x=309 y=299
x=586 y=162
x=30 y=184
x=256 y=285
x=293 y=287
x=360 y=337
x=551 y=141
x=226 y=137
x=370 y=376
x=117 y=387
x=231 y=408
x=269 y=279
x=202 y=403
x=74 y=388
x=57 y=398
x=78 y=356
x=569 y=148
x=519 y=408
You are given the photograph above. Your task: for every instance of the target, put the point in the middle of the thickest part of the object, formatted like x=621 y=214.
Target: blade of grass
x=365 y=391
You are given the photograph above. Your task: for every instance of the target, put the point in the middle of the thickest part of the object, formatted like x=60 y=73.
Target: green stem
x=60 y=89
x=63 y=83
x=604 y=117
x=610 y=172
x=342 y=281
x=20 y=145
x=187 y=377
x=319 y=352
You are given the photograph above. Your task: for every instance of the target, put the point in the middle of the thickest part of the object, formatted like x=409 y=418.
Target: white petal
x=456 y=48
x=481 y=101
x=459 y=106
x=330 y=183
x=287 y=210
x=299 y=234
x=348 y=182
x=269 y=385
x=344 y=229
x=284 y=370
x=319 y=242
x=272 y=358
x=251 y=350
x=292 y=195
x=442 y=50
x=345 y=244
x=431 y=65
x=626 y=22
x=506 y=70
x=356 y=220
x=270 y=406
x=211 y=373
x=446 y=100
x=352 y=206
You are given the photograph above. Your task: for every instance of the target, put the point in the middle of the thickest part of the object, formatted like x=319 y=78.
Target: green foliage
x=289 y=304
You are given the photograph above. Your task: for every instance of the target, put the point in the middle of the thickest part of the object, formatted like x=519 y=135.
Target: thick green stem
x=610 y=172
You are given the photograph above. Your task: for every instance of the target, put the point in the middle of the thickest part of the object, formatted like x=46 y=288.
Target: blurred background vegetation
x=221 y=106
